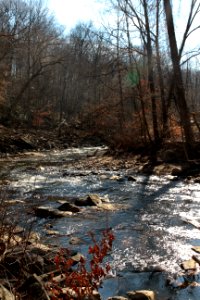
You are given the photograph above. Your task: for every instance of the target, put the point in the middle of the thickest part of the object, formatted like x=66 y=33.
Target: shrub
x=81 y=281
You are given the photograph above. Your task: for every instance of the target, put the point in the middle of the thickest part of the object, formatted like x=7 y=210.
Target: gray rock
x=131 y=178
x=49 y=212
x=189 y=264
x=18 y=229
x=77 y=257
x=197 y=179
x=90 y=200
x=52 y=232
x=76 y=241
x=178 y=170
x=141 y=295
x=117 y=178
x=69 y=207
x=171 y=169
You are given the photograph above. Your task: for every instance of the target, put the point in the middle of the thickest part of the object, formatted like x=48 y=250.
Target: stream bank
x=171 y=159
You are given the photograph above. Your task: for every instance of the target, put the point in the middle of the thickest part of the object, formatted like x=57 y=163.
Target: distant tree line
x=129 y=82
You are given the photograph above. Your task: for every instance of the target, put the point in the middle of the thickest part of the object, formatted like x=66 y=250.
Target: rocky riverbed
x=152 y=209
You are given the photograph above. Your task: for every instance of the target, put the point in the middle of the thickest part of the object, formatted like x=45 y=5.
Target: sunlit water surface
x=149 y=224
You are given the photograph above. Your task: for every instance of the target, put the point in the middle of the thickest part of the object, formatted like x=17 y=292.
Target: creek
x=149 y=222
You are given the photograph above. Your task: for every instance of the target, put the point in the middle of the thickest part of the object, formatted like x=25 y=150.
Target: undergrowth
x=85 y=278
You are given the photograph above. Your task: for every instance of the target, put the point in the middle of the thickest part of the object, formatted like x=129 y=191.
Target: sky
x=71 y=12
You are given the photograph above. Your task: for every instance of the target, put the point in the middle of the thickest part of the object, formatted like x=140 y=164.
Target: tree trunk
x=151 y=74
x=178 y=81
x=165 y=128
x=121 y=96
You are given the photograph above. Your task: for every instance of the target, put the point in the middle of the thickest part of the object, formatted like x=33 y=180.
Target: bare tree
x=179 y=87
x=141 y=22
x=33 y=53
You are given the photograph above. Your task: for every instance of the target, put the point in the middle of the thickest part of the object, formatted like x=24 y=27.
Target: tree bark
x=165 y=128
x=178 y=81
x=151 y=73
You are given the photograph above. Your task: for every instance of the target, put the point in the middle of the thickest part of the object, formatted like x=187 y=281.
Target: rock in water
x=49 y=212
x=69 y=207
x=90 y=200
x=189 y=265
x=141 y=295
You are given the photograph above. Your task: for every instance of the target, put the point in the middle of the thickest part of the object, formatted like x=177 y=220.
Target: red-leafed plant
x=81 y=281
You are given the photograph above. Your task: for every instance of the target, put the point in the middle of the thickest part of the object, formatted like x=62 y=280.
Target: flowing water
x=148 y=224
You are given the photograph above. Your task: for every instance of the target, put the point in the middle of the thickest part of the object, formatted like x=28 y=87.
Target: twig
x=44 y=276
x=38 y=279
x=194 y=257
